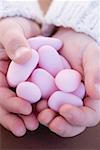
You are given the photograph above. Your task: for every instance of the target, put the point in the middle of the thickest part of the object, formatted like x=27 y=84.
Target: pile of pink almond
x=47 y=75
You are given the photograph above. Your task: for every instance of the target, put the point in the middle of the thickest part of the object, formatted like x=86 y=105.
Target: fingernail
x=20 y=51
x=33 y=126
x=20 y=131
x=69 y=116
x=27 y=110
x=22 y=55
x=60 y=129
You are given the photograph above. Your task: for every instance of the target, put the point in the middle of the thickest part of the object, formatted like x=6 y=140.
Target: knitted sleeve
x=81 y=15
x=25 y=8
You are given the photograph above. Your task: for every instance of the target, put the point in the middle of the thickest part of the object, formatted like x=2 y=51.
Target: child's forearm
x=24 y=8
x=82 y=16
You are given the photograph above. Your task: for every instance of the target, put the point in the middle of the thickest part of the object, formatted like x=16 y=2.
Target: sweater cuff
x=26 y=8
x=82 y=16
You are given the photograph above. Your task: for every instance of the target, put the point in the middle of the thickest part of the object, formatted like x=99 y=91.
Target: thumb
x=91 y=64
x=13 y=39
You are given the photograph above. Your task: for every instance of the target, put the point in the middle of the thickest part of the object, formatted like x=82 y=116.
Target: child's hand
x=15 y=114
x=84 y=55
x=14 y=33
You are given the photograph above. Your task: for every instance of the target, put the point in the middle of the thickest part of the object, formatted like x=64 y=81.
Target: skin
x=83 y=54
x=16 y=114
x=80 y=50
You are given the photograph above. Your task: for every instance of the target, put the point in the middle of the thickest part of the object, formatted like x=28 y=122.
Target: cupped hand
x=83 y=54
x=16 y=114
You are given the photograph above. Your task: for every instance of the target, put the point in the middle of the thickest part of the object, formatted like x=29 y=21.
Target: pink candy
x=60 y=98
x=47 y=75
x=80 y=91
x=45 y=81
x=40 y=41
x=68 y=80
x=28 y=91
x=50 y=60
x=18 y=73
x=65 y=63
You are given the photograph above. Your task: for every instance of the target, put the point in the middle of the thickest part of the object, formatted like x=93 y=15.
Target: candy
x=18 y=73
x=80 y=91
x=40 y=41
x=50 y=60
x=44 y=81
x=28 y=91
x=68 y=80
x=47 y=75
x=60 y=98
x=65 y=63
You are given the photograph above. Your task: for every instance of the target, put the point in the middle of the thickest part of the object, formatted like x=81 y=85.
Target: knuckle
x=14 y=38
x=17 y=105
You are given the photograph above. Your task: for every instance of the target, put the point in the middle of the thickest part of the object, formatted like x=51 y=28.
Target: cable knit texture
x=25 y=8
x=82 y=16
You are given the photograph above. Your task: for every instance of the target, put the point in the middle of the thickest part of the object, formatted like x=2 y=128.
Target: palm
x=74 y=45
x=82 y=53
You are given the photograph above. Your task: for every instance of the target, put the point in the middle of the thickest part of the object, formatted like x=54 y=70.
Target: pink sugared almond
x=20 y=72
x=37 y=42
x=28 y=91
x=60 y=98
x=45 y=81
x=80 y=91
x=68 y=80
x=65 y=62
x=49 y=59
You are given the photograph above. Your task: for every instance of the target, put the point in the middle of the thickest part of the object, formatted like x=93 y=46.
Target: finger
x=11 y=103
x=91 y=64
x=4 y=66
x=30 y=121
x=88 y=115
x=63 y=128
x=3 y=82
x=16 y=45
x=12 y=123
x=3 y=55
x=46 y=116
x=30 y=28
x=41 y=105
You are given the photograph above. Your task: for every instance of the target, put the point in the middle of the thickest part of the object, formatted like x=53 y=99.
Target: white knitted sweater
x=81 y=15
x=25 y=8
